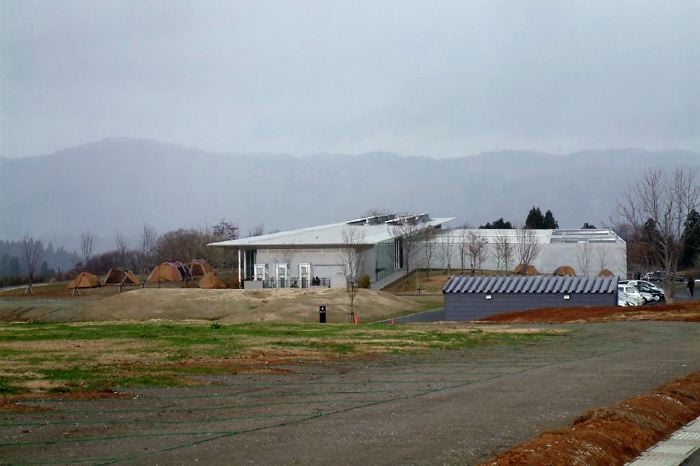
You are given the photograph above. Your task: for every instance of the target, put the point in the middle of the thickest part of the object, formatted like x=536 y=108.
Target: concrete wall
x=474 y=306
x=596 y=256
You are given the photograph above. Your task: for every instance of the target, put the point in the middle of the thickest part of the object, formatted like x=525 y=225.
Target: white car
x=631 y=294
x=623 y=300
x=649 y=291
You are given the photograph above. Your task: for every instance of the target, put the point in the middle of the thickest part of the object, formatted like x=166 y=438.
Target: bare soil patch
x=615 y=435
x=682 y=312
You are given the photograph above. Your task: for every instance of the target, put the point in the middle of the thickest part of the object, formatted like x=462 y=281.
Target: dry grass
x=97 y=357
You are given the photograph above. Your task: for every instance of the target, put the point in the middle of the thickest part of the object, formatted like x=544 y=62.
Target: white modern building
x=317 y=256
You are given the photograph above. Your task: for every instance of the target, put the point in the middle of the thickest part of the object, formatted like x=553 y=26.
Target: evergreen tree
x=4 y=265
x=534 y=219
x=499 y=224
x=691 y=240
x=588 y=226
x=13 y=269
x=44 y=271
x=549 y=222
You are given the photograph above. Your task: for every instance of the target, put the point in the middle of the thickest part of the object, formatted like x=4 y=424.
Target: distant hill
x=121 y=183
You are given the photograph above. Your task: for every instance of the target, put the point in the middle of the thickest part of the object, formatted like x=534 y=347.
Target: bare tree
x=256 y=230
x=428 y=247
x=476 y=248
x=504 y=252
x=224 y=231
x=447 y=242
x=148 y=240
x=351 y=260
x=407 y=231
x=527 y=247
x=583 y=258
x=32 y=253
x=658 y=205
x=121 y=245
x=86 y=244
x=602 y=258
x=463 y=242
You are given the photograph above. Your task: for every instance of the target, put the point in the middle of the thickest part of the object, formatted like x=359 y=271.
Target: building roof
x=536 y=284
x=367 y=230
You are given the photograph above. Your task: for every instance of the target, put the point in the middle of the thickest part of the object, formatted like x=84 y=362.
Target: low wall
x=473 y=306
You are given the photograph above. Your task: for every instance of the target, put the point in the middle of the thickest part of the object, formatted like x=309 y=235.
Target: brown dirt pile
x=686 y=312
x=616 y=435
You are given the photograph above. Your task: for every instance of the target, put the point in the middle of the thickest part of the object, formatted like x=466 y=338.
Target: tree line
x=28 y=261
x=55 y=261
x=152 y=248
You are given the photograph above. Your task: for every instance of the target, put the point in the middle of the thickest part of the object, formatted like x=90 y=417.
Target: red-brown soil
x=686 y=312
x=615 y=435
x=13 y=403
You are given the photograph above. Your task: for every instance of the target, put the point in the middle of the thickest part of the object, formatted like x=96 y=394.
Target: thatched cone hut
x=199 y=268
x=172 y=271
x=83 y=280
x=564 y=271
x=119 y=276
x=211 y=280
x=522 y=270
x=605 y=273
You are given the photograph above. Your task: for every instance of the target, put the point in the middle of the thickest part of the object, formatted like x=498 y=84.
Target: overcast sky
x=436 y=78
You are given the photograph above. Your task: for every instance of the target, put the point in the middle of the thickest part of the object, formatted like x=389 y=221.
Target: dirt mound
x=687 y=312
x=610 y=436
x=284 y=305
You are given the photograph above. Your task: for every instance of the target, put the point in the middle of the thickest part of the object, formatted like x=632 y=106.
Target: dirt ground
x=684 y=312
x=614 y=435
x=227 y=305
x=443 y=407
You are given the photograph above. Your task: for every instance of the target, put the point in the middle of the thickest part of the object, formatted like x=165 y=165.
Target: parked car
x=630 y=293
x=650 y=292
x=624 y=300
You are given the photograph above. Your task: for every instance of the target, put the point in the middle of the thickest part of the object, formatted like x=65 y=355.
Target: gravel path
x=444 y=407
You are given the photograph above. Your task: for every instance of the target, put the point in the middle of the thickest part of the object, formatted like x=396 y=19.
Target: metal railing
x=295 y=282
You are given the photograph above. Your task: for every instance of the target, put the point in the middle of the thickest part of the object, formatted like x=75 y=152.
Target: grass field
x=92 y=357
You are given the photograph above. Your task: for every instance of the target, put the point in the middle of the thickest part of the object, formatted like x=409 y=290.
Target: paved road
x=443 y=407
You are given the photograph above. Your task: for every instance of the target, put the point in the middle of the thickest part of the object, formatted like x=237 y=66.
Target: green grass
x=97 y=357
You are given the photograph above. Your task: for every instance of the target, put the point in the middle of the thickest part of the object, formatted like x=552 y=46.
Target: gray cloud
x=432 y=78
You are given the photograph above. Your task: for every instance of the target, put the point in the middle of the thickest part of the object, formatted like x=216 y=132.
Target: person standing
x=691 y=286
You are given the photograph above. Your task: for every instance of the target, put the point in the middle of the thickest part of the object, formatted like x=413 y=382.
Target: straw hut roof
x=211 y=280
x=565 y=271
x=84 y=280
x=199 y=268
x=120 y=276
x=529 y=270
x=172 y=271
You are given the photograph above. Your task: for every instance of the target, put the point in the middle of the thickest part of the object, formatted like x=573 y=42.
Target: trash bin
x=322 y=314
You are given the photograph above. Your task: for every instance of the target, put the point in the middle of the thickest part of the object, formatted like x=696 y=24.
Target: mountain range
x=122 y=183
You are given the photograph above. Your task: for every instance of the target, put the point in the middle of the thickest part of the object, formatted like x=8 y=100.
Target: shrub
x=363 y=281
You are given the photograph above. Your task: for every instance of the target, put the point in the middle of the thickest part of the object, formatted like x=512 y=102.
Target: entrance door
x=304 y=275
x=281 y=275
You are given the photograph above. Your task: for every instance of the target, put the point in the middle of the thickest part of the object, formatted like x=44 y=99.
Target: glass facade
x=250 y=263
x=386 y=259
